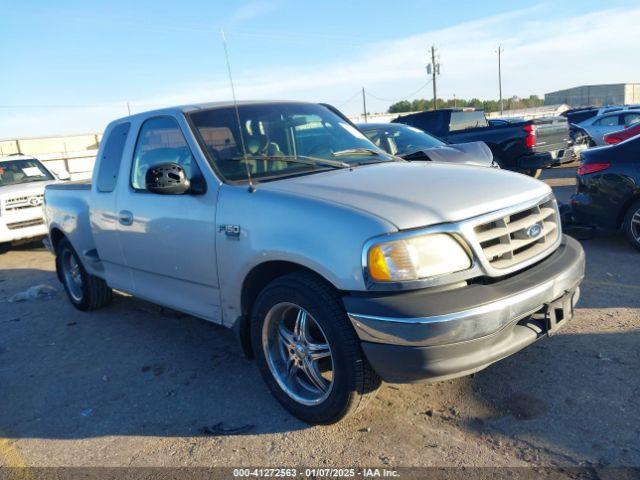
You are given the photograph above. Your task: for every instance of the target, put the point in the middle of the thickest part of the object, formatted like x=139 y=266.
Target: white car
x=22 y=182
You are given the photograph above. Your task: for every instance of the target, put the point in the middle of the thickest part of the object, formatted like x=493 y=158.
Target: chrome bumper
x=470 y=312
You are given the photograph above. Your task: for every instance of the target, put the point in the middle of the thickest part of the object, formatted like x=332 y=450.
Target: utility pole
x=500 y=50
x=129 y=108
x=434 y=68
x=364 y=105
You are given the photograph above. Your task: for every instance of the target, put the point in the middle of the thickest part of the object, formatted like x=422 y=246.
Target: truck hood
x=411 y=195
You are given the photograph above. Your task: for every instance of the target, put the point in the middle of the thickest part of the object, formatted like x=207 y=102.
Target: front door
x=169 y=240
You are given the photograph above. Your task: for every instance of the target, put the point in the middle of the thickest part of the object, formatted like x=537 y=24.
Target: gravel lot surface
x=135 y=384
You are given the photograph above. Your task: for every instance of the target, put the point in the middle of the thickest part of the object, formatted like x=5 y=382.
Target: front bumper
x=433 y=335
x=21 y=231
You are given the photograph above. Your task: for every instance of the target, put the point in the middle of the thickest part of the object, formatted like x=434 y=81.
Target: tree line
x=512 y=103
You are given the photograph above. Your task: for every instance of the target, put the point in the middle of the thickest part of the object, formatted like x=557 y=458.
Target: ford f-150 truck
x=337 y=264
x=22 y=182
x=525 y=146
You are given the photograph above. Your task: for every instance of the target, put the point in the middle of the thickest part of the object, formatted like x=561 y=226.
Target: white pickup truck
x=336 y=263
x=22 y=183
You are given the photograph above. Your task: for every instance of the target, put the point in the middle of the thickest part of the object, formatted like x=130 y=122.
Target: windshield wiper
x=355 y=151
x=303 y=159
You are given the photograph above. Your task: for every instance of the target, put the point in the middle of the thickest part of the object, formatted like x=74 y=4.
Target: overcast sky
x=71 y=66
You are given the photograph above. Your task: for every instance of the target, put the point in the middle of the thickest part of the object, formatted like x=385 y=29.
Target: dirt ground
x=137 y=385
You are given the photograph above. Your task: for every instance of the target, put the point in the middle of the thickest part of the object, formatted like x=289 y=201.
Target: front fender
x=264 y=226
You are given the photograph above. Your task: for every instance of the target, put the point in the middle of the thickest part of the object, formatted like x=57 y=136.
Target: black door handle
x=125 y=217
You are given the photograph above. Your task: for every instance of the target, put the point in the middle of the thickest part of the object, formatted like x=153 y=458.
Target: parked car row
x=608 y=189
x=525 y=146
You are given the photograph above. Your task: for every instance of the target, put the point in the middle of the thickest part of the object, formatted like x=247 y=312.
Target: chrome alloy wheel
x=635 y=225
x=298 y=353
x=72 y=275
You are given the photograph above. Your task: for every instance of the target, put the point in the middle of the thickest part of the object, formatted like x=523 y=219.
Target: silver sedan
x=597 y=127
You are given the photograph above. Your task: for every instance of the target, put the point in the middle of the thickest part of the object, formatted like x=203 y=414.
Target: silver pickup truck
x=337 y=264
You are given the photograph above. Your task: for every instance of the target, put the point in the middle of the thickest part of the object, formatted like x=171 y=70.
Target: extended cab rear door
x=103 y=203
x=168 y=241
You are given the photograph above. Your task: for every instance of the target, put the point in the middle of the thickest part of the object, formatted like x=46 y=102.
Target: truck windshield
x=280 y=139
x=401 y=139
x=13 y=172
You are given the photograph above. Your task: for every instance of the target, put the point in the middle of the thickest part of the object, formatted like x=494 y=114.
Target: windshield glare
x=274 y=135
x=401 y=140
x=14 y=172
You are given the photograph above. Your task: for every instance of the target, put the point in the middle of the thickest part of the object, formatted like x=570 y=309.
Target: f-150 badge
x=231 y=231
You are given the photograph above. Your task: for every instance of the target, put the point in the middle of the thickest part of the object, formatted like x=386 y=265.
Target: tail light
x=588 y=168
x=612 y=140
x=530 y=139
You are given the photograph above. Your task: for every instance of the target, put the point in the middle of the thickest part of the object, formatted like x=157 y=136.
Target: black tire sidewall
x=64 y=245
x=635 y=207
x=344 y=363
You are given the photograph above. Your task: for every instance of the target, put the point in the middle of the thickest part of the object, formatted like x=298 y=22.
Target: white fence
x=74 y=153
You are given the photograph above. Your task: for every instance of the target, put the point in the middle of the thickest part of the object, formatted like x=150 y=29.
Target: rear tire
x=631 y=224
x=85 y=291
x=317 y=391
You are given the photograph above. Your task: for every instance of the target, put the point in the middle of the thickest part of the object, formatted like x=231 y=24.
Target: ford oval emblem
x=533 y=230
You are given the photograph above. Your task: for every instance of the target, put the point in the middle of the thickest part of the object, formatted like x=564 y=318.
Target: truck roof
x=459 y=109
x=193 y=107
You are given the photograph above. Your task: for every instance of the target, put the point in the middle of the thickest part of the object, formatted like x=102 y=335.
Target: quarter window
x=112 y=157
x=608 y=121
x=160 y=141
x=631 y=118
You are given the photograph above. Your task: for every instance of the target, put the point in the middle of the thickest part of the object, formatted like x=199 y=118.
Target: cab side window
x=160 y=141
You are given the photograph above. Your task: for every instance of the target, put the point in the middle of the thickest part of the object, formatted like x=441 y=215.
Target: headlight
x=417 y=257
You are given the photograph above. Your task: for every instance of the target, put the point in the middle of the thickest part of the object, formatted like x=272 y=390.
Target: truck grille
x=20 y=203
x=27 y=223
x=515 y=238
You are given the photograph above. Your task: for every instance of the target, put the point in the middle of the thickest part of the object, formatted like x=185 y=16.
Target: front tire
x=631 y=224
x=535 y=172
x=307 y=351
x=85 y=291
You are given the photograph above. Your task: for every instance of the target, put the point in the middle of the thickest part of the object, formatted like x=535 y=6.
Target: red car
x=622 y=135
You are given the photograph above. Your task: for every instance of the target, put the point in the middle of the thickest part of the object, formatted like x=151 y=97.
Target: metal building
x=596 y=95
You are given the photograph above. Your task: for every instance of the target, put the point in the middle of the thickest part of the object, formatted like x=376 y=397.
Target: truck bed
x=66 y=209
x=76 y=185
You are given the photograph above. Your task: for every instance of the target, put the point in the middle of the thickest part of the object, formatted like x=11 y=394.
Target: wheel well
x=255 y=281
x=56 y=236
x=625 y=208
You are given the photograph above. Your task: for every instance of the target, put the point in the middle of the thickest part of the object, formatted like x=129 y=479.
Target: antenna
x=252 y=188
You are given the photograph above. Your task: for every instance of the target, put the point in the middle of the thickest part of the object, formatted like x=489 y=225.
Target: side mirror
x=167 y=179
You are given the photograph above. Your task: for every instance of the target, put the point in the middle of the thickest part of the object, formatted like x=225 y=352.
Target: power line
x=402 y=98
x=349 y=99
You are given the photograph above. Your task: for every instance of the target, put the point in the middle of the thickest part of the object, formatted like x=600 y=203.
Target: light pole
x=500 y=50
